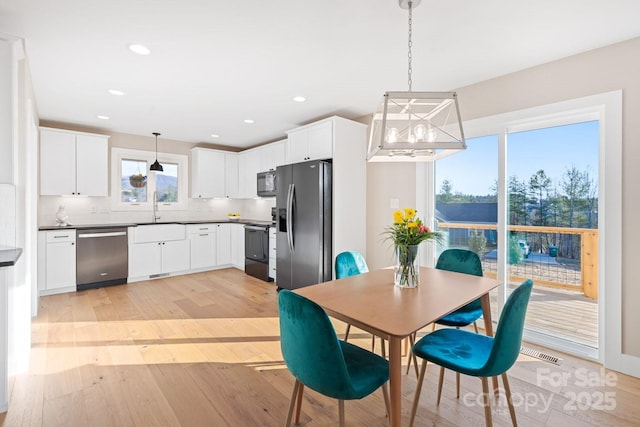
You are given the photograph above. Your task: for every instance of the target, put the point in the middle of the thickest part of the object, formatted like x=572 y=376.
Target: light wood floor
x=203 y=350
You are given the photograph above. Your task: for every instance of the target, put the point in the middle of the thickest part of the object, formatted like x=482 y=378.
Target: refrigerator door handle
x=290 y=217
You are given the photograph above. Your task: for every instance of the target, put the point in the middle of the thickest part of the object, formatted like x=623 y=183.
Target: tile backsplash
x=97 y=210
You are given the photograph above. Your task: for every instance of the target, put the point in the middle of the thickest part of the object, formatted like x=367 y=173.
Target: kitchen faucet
x=155 y=207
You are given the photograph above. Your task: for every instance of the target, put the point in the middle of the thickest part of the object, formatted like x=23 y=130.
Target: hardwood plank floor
x=203 y=350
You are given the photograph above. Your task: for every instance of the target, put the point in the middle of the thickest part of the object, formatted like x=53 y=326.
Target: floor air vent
x=540 y=355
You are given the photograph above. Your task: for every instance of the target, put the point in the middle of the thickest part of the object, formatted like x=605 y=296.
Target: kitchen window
x=133 y=186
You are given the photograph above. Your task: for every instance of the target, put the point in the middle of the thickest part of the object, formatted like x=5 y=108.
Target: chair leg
x=346 y=332
x=382 y=346
x=373 y=343
x=440 y=384
x=299 y=404
x=341 y=412
x=475 y=326
x=296 y=387
x=507 y=391
x=485 y=400
x=457 y=385
x=387 y=404
x=433 y=326
x=416 y=399
x=412 y=341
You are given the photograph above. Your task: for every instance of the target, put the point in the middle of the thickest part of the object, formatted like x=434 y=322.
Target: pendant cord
x=410 y=44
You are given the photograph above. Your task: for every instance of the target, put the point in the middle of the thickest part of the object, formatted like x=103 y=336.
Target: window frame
x=120 y=154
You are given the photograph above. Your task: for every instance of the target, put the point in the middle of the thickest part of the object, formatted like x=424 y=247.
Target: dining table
x=371 y=302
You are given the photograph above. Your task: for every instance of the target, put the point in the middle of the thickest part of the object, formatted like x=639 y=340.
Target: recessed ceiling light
x=103 y=117
x=116 y=92
x=248 y=121
x=139 y=49
x=299 y=98
x=213 y=135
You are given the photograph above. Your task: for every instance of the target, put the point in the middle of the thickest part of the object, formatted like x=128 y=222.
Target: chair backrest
x=462 y=261
x=350 y=263
x=508 y=338
x=310 y=346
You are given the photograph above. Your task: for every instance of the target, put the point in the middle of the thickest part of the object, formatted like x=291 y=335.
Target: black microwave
x=267 y=184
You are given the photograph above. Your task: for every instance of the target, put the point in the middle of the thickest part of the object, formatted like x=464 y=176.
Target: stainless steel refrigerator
x=303 y=242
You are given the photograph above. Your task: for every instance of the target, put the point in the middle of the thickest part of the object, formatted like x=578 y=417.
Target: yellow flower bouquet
x=406 y=233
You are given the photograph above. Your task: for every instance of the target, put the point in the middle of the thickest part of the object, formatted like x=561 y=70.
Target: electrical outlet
x=94 y=209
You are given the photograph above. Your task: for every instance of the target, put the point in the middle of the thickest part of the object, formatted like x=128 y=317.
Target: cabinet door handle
x=61 y=237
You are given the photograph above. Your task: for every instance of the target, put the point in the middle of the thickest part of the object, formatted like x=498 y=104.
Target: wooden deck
x=563 y=314
x=203 y=350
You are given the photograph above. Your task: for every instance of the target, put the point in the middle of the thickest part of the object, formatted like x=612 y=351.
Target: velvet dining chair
x=319 y=360
x=478 y=355
x=350 y=263
x=458 y=261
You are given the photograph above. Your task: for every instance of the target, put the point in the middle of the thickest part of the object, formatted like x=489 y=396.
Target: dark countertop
x=9 y=256
x=133 y=224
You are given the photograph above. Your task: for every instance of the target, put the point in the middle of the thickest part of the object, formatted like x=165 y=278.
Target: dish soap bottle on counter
x=62 y=217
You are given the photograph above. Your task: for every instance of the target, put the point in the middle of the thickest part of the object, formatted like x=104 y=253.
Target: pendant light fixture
x=415 y=126
x=156 y=166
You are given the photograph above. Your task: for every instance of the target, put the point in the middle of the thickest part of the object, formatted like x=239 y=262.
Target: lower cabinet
x=203 y=242
x=56 y=261
x=148 y=259
x=223 y=244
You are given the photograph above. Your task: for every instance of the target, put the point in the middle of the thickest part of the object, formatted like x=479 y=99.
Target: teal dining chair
x=350 y=263
x=458 y=261
x=478 y=355
x=319 y=360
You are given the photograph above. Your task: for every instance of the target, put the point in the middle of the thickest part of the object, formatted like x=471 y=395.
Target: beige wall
x=386 y=181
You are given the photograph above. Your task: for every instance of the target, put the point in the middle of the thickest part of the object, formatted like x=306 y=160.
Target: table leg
x=488 y=329
x=395 y=380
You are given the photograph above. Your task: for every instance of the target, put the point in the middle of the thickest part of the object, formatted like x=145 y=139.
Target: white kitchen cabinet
x=159 y=249
x=202 y=240
x=249 y=168
x=208 y=176
x=149 y=259
x=73 y=163
x=272 y=155
x=223 y=244
x=57 y=261
x=311 y=142
x=145 y=259
x=231 y=175
x=237 y=246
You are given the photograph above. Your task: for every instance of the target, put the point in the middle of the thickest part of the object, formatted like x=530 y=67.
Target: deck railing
x=580 y=273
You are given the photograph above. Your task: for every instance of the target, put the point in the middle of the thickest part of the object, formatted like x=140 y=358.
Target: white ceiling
x=215 y=63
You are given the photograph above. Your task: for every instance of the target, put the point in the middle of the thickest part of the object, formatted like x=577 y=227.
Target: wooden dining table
x=370 y=301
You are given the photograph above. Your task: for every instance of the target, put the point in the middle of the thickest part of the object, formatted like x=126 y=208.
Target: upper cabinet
x=214 y=173
x=73 y=163
x=249 y=166
x=310 y=142
x=272 y=155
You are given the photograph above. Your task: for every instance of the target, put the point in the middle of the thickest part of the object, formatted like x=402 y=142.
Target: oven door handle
x=290 y=196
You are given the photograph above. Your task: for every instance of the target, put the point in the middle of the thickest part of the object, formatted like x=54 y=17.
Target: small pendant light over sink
x=156 y=166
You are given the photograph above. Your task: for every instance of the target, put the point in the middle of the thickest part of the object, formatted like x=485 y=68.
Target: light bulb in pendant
x=432 y=134
x=419 y=131
x=392 y=135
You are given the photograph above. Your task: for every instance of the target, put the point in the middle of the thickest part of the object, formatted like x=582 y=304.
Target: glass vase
x=407 y=266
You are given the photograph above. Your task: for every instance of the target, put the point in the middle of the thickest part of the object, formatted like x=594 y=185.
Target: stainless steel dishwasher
x=102 y=257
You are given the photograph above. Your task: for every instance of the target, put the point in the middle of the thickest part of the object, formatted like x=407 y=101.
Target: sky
x=474 y=170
